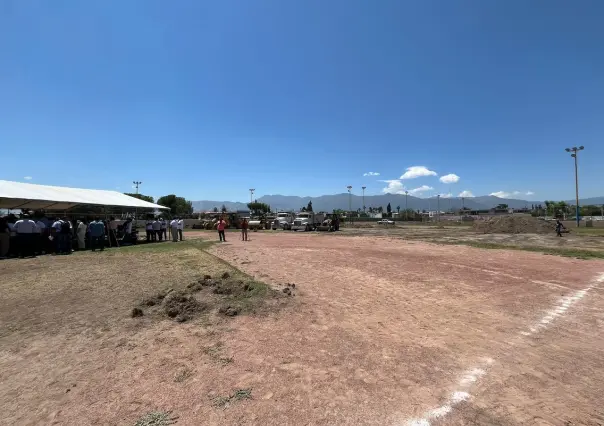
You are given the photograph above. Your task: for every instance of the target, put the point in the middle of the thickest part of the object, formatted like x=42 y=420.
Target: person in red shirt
x=244 y=226
x=221 y=225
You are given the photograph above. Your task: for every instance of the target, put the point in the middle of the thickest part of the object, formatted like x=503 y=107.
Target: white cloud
x=421 y=189
x=450 y=178
x=505 y=194
x=466 y=194
x=417 y=171
x=501 y=194
x=28 y=178
x=371 y=174
x=395 y=186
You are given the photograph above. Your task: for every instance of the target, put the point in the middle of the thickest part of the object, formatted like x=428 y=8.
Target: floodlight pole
x=136 y=184
x=252 y=195
x=349 y=202
x=406 y=210
x=363 y=188
x=575 y=151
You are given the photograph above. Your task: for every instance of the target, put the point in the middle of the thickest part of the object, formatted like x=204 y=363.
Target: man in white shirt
x=156 y=229
x=149 y=231
x=128 y=227
x=164 y=229
x=112 y=231
x=26 y=230
x=174 y=230
x=181 y=226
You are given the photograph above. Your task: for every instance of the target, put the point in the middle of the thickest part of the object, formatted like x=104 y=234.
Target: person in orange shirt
x=244 y=226
x=221 y=225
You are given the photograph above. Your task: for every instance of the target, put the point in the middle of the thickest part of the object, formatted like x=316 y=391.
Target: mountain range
x=329 y=203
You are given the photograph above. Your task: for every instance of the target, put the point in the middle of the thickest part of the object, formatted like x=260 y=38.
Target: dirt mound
x=229 y=296
x=181 y=306
x=513 y=225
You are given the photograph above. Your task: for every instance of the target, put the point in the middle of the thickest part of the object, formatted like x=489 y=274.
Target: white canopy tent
x=26 y=196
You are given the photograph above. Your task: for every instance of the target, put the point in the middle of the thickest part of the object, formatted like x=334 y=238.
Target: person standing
x=156 y=226
x=40 y=242
x=174 y=230
x=164 y=229
x=559 y=228
x=128 y=230
x=97 y=234
x=149 y=230
x=112 y=232
x=181 y=227
x=244 y=227
x=55 y=232
x=66 y=235
x=220 y=226
x=81 y=234
x=4 y=237
x=26 y=229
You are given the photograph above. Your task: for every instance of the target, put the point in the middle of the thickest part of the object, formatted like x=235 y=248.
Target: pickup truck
x=385 y=222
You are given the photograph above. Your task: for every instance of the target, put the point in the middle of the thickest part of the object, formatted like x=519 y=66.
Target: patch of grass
x=566 y=252
x=238 y=395
x=183 y=375
x=164 y=246
x=591 y=232
x=157 y=418
x=215 y=353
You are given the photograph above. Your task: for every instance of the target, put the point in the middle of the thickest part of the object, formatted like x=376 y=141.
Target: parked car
x=385 y=222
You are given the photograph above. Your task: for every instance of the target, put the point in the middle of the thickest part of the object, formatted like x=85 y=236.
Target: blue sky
x=208 y=99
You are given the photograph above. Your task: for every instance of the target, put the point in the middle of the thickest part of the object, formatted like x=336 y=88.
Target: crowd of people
x=157 y=229
x=29 y=235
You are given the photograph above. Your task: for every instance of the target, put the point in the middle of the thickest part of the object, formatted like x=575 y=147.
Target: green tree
x=147 y=198
x=215 y=209
x=398 y=210
x=389 y=209
x=223 y=209
x=258 y=209
x=309 y=206
x=178 y=205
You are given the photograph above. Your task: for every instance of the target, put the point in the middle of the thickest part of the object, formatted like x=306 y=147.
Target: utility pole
x=575 y=152
x=349 y=202
x=406 y=210
x=252 y=195
x=136 y=184
x=363 y=188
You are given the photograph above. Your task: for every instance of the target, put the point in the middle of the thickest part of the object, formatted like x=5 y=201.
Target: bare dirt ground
x=388 y=330
x=380 y=332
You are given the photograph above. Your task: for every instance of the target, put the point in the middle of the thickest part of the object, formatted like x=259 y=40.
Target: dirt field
x=576 y=239
x=381 y=331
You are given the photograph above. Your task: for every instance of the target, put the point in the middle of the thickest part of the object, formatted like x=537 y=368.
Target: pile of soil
x=181 y=306
x=228 y=294
x=513 y=225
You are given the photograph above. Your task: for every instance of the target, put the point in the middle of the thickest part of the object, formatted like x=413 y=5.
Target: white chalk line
x=472 y=376
x=560 y=309
x=467 y=379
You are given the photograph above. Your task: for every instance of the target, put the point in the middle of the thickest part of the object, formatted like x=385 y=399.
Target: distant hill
x=340 y=201
x=594 y=201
